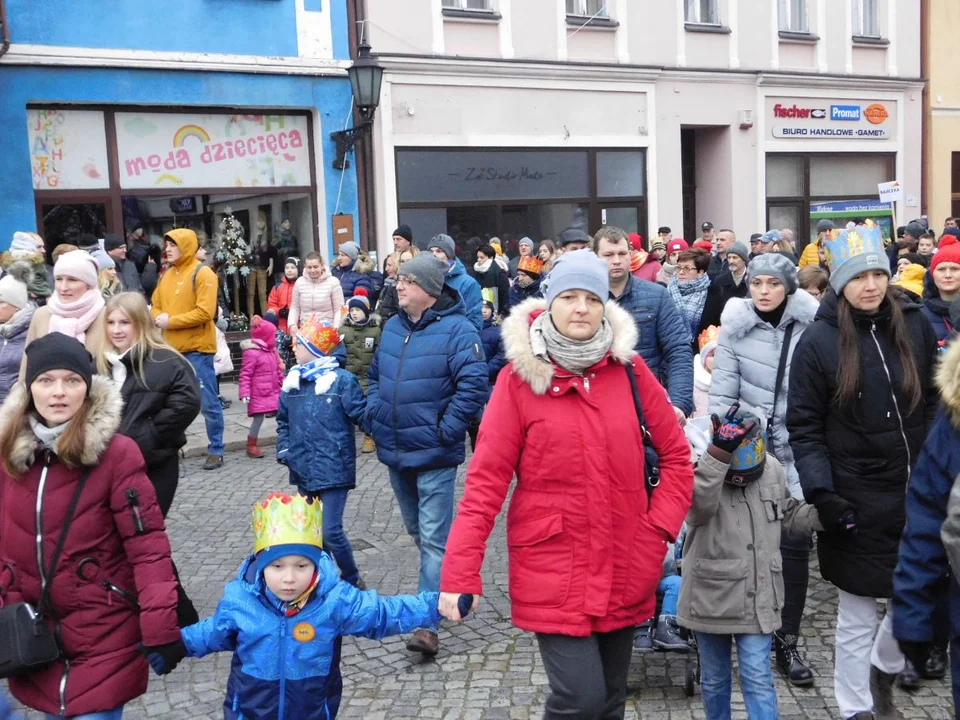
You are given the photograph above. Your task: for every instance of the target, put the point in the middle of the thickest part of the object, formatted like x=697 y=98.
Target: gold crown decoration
x=287 y=520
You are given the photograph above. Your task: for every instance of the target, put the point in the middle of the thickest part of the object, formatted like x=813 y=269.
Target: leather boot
x=789 y=662
x=881 y=688
x=253 y=449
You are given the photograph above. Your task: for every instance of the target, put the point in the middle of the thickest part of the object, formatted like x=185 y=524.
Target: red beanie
x=950 y=254
x=947 y=240
x=677 y=245
x=636 y=241
x=704 y=245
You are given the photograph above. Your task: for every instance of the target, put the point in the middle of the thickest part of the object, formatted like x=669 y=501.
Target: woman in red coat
x=279 y=301
x=586 y=546
x=113 y=587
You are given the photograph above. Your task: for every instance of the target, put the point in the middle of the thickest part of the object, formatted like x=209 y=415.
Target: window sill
x=870 y=40
x=707 y=28
x=597 y=23
x=482 y=16
x=798 y=37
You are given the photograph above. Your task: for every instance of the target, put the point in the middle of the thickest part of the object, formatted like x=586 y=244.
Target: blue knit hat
x=579 y=270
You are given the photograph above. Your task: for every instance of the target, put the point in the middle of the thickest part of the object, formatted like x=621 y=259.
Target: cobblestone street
x=486 y=667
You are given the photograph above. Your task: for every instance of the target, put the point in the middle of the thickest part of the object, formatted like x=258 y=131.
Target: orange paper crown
x=320 y=338
x=530 y=264
x=709 y=335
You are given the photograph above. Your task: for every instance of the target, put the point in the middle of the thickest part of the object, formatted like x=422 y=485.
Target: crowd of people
x=677 y=423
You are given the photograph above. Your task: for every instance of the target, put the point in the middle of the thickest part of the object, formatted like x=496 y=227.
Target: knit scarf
x=46 y=436
x=575 y=356
x=321 y=372
x=74 y=319
x=689 y=298
x=482 y=267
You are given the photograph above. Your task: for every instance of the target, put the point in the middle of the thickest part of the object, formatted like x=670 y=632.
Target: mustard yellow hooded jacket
x=190 y=301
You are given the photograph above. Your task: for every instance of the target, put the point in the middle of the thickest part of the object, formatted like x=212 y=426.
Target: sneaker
x=643 y=638
x=789 y=662
x=224 y=403
x=669 y=636
x=213 y=462
x=424 y=641
x=935 y=668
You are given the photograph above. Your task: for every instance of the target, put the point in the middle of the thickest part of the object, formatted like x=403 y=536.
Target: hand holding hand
x=728 y=434
x=836 y=514
x=163 y=321
x=449 y=606
x=164 y=658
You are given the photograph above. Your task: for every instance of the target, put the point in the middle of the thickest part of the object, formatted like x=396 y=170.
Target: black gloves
x=164 y=658
x=916 y=652
x=836 y=514
x=728 y=435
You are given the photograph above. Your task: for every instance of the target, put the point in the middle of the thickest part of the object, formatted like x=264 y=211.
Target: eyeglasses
x=685 y=269
x=405 y=282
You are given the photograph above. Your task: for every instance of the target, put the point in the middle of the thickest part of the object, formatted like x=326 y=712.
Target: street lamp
x=366 y=76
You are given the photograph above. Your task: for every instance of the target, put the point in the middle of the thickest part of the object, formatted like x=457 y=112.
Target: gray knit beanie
x=427 y=271
x=774 y=265
x=350 y=249
x=579 y=270
x=740 y=250
x=445 y=243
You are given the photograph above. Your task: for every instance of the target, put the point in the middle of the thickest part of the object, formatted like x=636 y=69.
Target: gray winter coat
x=13 y=336
x=745 y=369
x=732 y=570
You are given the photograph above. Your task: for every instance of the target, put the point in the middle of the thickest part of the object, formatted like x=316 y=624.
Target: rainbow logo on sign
x=188 y=131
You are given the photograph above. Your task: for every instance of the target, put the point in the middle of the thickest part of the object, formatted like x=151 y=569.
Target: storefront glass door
x=64 y=222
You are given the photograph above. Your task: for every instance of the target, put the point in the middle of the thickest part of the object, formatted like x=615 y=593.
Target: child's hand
x=164 y=658
x=245 y=400
x=729 y=433
x=449 y=606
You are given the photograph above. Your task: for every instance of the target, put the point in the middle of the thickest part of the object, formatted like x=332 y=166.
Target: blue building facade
x=120 y=115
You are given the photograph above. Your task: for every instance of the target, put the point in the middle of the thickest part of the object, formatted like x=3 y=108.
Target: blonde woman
x=389 y=302
x=108 y=282
x=160 y=393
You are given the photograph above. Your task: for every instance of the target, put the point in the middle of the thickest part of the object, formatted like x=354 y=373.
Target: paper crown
x=709 y=335
x=287 y=520
x=530 y=264
x=319 y=338
x=841 y=245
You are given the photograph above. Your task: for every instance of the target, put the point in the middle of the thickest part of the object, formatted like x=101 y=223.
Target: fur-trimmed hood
x=538 y=374
x=948 y=380
x=739 y=318
x=106 y=405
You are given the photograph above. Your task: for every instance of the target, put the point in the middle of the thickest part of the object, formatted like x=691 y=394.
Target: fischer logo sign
x=781 y=111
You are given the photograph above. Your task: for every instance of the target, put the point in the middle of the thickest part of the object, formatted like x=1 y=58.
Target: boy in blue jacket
x=284 y=617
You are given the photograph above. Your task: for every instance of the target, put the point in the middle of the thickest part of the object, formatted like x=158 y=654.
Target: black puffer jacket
x=156 y=415
x=865 y=453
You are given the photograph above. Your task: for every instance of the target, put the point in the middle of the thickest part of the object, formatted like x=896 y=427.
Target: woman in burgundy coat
x=113 y=587
x=586 y=546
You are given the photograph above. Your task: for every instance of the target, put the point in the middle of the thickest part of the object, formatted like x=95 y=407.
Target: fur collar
x=948 y=380
x=739 y=318
x=106 y=404
x=538 y=374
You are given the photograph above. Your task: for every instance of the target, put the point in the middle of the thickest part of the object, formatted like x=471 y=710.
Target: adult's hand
x=163 y=321
x=448 y=606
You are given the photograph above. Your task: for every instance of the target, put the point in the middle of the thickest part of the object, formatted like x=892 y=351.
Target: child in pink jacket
x=261 y=375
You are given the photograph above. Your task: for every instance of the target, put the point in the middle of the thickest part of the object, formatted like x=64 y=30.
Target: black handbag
x=651 y=461
x=27 y=642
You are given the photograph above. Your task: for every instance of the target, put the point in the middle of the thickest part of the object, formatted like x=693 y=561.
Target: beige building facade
x=523 y=117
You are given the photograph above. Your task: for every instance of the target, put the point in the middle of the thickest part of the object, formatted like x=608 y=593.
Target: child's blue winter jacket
x=315 y=437
x=288 y=668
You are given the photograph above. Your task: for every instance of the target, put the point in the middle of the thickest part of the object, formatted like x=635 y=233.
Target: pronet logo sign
x=781 y=111
x=845 y=112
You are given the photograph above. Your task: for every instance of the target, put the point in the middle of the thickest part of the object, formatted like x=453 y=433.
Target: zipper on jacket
x=39 y=521
x=893 y=394
x=63 y=685
x=283 y=665
x=396 y=390
x=114 y=590
x=753 y=544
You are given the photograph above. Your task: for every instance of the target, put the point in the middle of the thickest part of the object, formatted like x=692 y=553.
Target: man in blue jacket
x=427 y=382
x=664 y=342
x=445 y=249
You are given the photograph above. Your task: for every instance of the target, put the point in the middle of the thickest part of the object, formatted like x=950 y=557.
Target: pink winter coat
x=261 y=373
x=322 y=298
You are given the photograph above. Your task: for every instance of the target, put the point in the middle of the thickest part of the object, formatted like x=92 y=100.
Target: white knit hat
x=78 y=264
x=24 y=244
x=13 y=285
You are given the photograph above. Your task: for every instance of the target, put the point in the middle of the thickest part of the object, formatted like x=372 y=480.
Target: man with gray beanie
x=427 y=383
x=728 y=284
x=525 y=247
x=445 y=249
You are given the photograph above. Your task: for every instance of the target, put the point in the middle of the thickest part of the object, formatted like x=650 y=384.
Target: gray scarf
x=47 y=436
x=548 y=344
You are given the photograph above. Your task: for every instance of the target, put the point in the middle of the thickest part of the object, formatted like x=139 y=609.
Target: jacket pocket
x=646 y=564
x=776 y=578
x=719 y=589
x=772 y=499
x=540 y=562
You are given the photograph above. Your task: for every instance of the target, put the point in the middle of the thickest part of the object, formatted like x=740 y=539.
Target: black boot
x=881 y=688
x=909 y=679
x=935 y=668
x=789 y=662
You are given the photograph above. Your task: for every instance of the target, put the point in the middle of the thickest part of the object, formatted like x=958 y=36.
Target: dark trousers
x=587 y=675
x=795 y=552
x=165 y=477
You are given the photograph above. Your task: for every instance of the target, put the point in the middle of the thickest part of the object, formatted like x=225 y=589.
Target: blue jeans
x=425 y=498
x=335 y=540
x=209 y=399
x=756 y=678
x=114 y=714
x=669 y=587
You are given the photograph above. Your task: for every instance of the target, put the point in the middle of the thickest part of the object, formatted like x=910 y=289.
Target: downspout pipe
x=5 y=28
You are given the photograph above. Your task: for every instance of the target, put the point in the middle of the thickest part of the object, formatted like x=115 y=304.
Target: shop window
x=476 y=5
x=587 y=8
x=702 y=12
x=866 y=18
x=784 y=176
x=65 y=222
x=621 y=174
x=793 y=16
x=844 y=176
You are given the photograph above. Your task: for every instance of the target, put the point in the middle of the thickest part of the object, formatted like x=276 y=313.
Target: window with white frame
x=866 y=18
x=587 y=8
x=481 y=5
x=702 y=12
x=793 y=15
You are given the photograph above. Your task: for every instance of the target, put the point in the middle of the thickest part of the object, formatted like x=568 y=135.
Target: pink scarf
x=75 y=318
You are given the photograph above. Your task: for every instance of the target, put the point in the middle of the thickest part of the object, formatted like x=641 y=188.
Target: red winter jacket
x=279 y=299
x=585 y=549
x=106 y=564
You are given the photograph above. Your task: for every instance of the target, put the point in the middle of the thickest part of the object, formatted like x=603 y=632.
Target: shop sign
x=166 y=150
x=831 y=119
x=68 y=149
x=788 y=131
x=890 y=191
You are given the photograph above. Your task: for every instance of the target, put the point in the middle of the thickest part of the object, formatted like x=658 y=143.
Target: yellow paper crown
x=287 y=520
x=709 y=335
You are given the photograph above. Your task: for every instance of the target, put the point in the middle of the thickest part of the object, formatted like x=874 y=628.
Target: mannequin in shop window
x=264 y=259
x=286 y=242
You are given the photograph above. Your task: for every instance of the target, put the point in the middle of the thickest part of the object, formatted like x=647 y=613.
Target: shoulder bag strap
x=652 y=475
x=45 y=594
x=781 y=370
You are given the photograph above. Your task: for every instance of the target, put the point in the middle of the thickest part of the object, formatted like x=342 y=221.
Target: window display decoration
x=234 y=252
